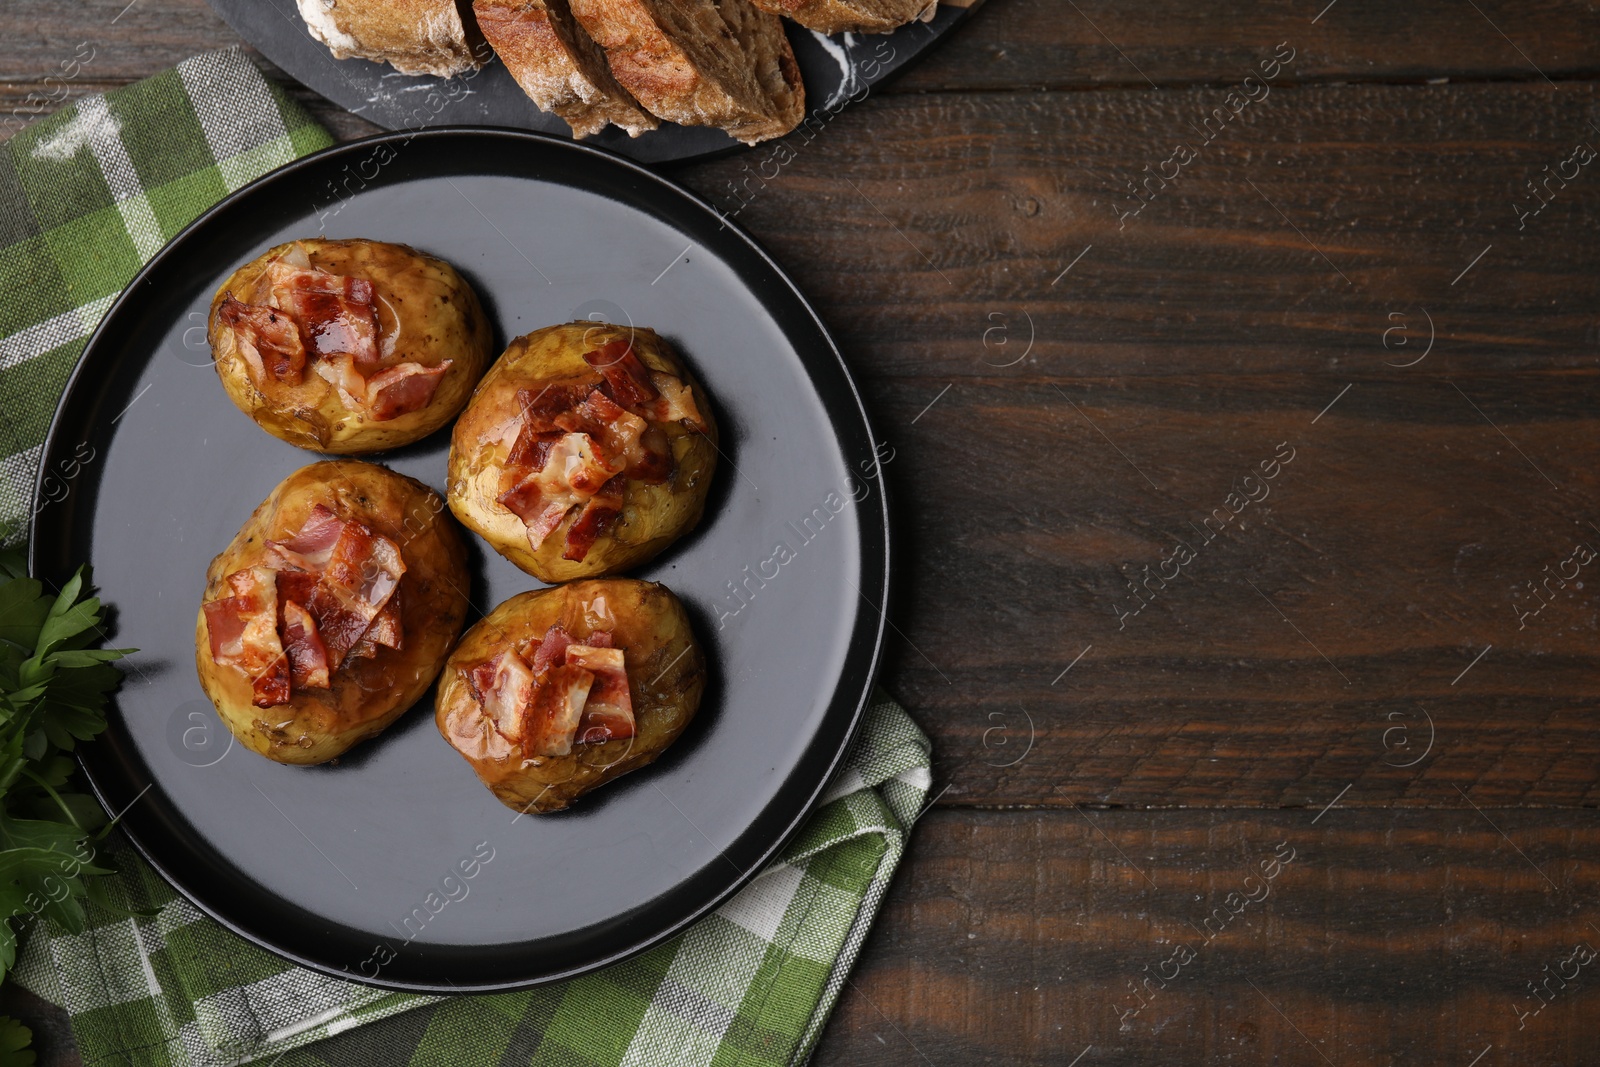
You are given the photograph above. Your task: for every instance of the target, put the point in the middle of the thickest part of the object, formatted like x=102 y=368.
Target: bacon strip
x=551 y=652
x=335 y=312
x=386 y=631
x=597 y=516
x=243 y=633
x=362 y=573
x=575 y=446
x=267 y=338
x=328 y=594
x=675 y=404
x=402 y=389
x=531 y=449
x=551 y=719
x=574 y=470
x=626 y=376
x=308 y=550
x=308 y=659
x=555 y=693
x=539 y=410
x=506 y=685
x=608 y=712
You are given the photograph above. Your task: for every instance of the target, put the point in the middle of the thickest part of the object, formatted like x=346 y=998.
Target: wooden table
x=1228 y=480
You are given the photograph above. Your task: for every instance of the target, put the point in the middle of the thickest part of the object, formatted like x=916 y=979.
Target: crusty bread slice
x=719 y=63
x=413 y=36
x=559 y=66
x=848 y=16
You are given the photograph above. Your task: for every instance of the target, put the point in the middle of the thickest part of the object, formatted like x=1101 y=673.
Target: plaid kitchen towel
x=750 y=984
x=92 y=192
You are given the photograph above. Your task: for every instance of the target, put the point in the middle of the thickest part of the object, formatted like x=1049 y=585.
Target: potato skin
x=436 y=313
x=666 y=674
x=653 y=516
x=319 y=724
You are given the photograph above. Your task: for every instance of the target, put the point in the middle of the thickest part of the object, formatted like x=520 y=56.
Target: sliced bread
x=413 y=36
x=559 y=66
x=722 y=63
x=848 y=16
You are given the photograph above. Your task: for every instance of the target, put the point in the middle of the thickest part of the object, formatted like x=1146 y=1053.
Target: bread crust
x=723 y=63
x=559 y=65
x=848 y=16
x=413 y=36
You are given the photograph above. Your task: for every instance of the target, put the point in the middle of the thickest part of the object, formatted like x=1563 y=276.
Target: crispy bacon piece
x=341 y=373
x=308 y=659
x=599 y=512
x=675 y=404
x=362 y=573
x=574 y=445
x=635 y=447
x=308 y=549
x=574 y=470
x=335 y=312
x=402 y=389
x=340 y=626
x=386 y=631
x=626 y=376
x=333 y=591
x=539 y=410
x=550 y=652
x=268 y=339
x=297 y=586
x=331 y=325
x=243 y=632
x=608 y=711
x=505 y=688
x=554 y=693
x=480 y=679
x=541 y=516
x=551 y=720
x=531 y=450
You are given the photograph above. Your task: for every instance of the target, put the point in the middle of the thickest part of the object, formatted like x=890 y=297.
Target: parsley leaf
x=53 y=691
x=14 y=1041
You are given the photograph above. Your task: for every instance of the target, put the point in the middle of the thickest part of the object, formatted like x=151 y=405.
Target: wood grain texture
x=1289 y=267
x=1391 y=937
x=1014 y=44
x=1058 y=45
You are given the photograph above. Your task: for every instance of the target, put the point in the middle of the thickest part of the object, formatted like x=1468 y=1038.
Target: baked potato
x=331 y=611
x=587 y=449
x=348 y=346
x=558 y=691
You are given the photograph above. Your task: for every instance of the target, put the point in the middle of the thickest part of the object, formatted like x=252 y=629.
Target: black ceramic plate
x=834 y=69
x=327 y=864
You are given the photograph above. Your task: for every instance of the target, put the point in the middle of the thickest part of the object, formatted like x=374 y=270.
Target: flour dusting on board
x=849 y=77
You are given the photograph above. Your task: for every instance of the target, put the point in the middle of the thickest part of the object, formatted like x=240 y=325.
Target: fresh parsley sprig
x=53 y=690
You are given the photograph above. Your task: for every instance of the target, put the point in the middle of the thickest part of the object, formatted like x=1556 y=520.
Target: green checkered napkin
x=86 y=196
x=92 y=192
x=750 y=984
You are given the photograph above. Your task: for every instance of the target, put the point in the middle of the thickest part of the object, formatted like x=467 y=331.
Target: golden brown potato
x=666 y=676
x=536 y=392
x=348 y=346
x=271 y=702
